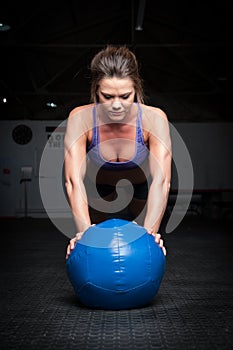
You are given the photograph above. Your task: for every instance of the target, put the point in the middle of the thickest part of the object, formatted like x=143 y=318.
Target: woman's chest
x=118 y=143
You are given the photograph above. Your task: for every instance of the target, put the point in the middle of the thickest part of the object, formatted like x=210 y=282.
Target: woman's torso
x=117 y=151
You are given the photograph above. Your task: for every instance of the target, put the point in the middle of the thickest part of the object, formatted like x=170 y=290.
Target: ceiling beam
x=137 y=45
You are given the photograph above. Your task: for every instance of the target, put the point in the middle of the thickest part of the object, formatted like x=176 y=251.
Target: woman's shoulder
x=79 y=121
x=81 y=117
x=155 y=123
x=153 y=116
x=81 y=109
x=152 y=112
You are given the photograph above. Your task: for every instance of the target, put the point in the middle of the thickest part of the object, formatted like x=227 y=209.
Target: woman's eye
x=107 y=97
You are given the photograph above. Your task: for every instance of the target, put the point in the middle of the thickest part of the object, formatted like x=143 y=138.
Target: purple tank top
x=141 y=150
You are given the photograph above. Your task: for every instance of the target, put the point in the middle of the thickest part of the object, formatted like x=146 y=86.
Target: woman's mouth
x=116 y=113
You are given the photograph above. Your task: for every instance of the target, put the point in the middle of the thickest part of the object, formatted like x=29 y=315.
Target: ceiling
x=184 y=52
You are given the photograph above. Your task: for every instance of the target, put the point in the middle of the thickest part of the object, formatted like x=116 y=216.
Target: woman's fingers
x=72 y=243
x=161 y=242
x=70 y=247
x=78 y=236
x=164 y=251
x=68 y=251
x=158 y=240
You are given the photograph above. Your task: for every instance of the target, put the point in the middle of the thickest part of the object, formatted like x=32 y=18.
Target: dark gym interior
x=184 y=50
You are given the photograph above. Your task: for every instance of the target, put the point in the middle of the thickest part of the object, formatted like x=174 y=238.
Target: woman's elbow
x=69 y=186
x=168 y=185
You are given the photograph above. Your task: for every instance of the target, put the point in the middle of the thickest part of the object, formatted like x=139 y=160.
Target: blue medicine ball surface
x=116 y=265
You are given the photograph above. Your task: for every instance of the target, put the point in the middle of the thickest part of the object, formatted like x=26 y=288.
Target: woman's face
x=116 y=96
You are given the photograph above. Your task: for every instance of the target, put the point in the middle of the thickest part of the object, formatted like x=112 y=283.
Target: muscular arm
x=75 y=169
x=160 y=167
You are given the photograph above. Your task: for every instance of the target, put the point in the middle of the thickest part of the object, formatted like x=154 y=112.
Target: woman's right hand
x=73 y=241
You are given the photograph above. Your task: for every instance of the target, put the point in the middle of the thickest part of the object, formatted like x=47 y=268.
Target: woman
x=117 y=150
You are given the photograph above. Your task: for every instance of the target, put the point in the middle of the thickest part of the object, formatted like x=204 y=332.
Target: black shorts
x=140 y=190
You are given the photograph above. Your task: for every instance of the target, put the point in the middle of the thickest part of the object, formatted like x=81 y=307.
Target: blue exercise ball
x=116 y=265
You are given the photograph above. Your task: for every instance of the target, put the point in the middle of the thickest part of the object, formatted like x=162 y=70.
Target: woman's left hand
x=158 y=240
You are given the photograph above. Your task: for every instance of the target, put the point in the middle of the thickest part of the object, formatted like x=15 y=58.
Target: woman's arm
x=160 y=168
x=75 y=169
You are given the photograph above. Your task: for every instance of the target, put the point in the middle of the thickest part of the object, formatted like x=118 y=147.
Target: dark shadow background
x=184 y=50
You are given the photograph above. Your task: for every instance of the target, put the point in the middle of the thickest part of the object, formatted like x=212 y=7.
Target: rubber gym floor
x=192 y=310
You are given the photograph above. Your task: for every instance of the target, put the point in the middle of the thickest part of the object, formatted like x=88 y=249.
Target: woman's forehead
x=116 y=84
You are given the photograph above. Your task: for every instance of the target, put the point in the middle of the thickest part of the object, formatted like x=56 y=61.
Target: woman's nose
x=116 y=105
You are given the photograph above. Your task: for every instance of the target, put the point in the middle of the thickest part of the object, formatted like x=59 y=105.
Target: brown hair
x=117 y=62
